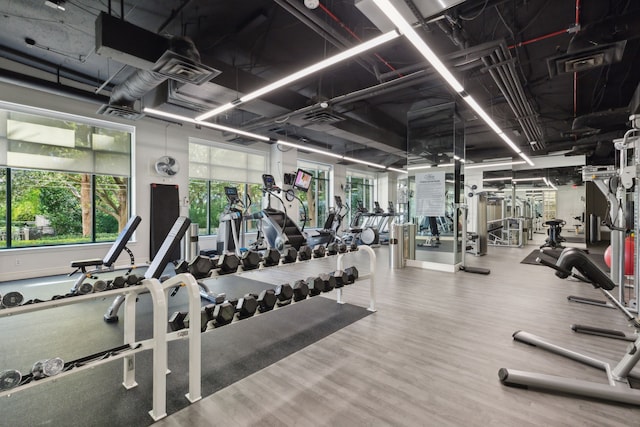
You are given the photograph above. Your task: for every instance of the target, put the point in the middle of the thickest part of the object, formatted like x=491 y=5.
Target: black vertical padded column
x=165 y=209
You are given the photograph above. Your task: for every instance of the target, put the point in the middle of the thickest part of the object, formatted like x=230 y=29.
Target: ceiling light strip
x=363 y=162
x=415 y=168
x=397 y=170
x=222 y=128
x=478 y=109
x=506 y=178
x=311 y=149
x=529 y=179
x=405 y=28
x=526 y=159
x=490 y=165
x=349 y=53
x=159 y=113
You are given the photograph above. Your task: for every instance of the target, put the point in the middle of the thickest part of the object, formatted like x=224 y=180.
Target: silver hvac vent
x=585 y=59
x=183 y=69
x=322 y=116
x=120 y=111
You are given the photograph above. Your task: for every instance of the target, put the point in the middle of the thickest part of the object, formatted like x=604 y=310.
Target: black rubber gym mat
x=96 y=397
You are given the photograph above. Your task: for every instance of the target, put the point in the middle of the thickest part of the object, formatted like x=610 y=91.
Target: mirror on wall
x=520 y=202
x=435 y=155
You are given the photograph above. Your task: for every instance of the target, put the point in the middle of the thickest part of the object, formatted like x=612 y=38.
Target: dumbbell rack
x=371 y=276
x=339 y=266
x=158 y=344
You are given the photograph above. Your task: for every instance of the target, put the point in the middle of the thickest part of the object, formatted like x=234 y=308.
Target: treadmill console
x=269 y=182
x=232 y=195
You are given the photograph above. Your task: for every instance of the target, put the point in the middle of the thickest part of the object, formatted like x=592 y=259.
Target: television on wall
x=303 y=180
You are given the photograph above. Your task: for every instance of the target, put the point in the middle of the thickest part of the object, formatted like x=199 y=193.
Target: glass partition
x=435 y=157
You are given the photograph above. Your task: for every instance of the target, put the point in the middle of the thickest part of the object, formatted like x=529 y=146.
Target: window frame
x=209 y=229
x=77 y=119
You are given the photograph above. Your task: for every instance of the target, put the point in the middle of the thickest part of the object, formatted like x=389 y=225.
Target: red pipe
x=537 y=39
x=355 y=36
x=575 y=74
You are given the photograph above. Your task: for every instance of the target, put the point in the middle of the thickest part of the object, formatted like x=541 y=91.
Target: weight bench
x=106 y=263
x=618 y=388
x=158 y=264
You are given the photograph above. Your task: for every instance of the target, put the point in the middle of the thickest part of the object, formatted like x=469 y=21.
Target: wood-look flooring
x=430 y=355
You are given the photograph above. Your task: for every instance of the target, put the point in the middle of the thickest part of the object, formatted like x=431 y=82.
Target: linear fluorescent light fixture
x=407 y=30
x=415 y=168
x=363 y=162
x=397 y=170
x=55 y=4
x=349 y=53
x=549 y=183
x=526 y=158
x=483 y=115
x=222 y=128
x=310 y=149
x=164 y=114
x=506 y=178
x=528 y=179
x=490 y=165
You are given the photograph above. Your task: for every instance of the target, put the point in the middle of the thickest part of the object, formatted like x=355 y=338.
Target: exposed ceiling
x=516 y=57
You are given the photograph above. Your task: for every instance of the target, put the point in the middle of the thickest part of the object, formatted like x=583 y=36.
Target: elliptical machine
x=230 y=223
x=361 y=233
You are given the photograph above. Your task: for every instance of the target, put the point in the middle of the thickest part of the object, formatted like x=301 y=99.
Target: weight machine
x=620 y=188
x=618 y=387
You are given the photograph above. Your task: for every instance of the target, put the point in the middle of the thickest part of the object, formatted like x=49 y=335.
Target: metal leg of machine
x=617 y=389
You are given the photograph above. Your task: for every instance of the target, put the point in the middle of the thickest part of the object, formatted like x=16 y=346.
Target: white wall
x=153 y=138
x=569 y=203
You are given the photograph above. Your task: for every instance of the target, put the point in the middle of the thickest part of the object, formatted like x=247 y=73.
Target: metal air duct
x=157 y=58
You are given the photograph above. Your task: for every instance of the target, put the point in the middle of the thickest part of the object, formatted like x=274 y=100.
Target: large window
x=316 y=201
x=62 y=180
x=361 y=190
x=213 y=167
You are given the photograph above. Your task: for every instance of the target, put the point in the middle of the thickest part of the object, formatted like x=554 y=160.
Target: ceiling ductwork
x=595 y=45
x=499 y=63
x=157 y=58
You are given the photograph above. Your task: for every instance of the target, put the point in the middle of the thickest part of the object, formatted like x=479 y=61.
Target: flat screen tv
x=303 y=180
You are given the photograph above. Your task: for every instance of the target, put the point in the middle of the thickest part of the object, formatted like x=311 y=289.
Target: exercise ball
x=607 y=256
x=629 y=252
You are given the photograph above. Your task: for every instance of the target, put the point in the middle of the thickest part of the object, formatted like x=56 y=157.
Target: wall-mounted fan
x=167 y=166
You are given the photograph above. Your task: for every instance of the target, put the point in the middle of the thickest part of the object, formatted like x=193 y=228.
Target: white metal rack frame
x=339 y=266
x=158 y=344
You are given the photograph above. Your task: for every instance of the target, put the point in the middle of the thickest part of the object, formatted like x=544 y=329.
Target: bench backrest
x=122 y=240
x=169 y=244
